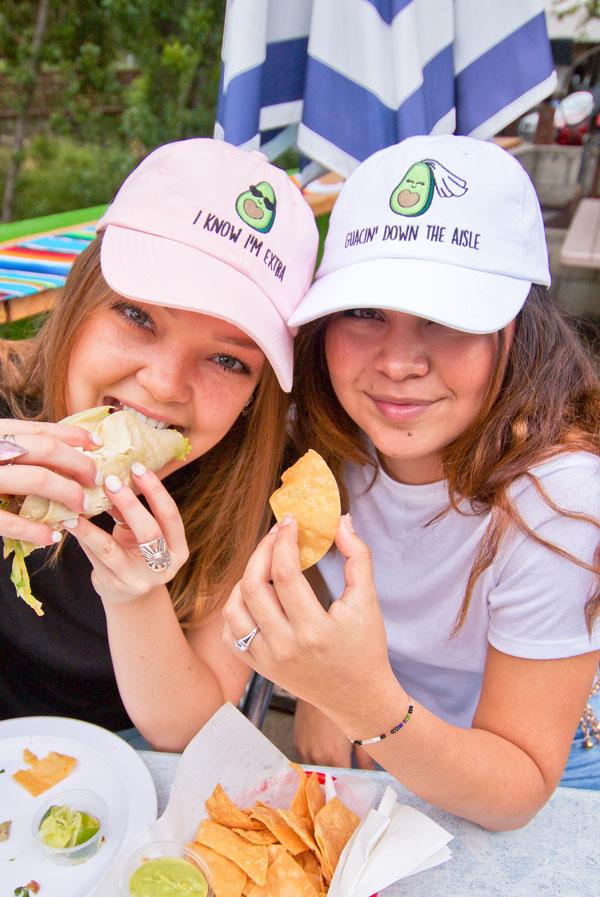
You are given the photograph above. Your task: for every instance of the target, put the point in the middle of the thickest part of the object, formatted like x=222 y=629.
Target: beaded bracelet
x=363 y=741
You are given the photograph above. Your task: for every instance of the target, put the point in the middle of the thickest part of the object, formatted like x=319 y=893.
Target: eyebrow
x=236 y=341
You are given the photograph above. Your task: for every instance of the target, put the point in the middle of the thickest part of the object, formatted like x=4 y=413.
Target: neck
x=412 y=472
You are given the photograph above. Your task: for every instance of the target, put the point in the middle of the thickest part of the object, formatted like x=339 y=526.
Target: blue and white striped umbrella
x=341 y=79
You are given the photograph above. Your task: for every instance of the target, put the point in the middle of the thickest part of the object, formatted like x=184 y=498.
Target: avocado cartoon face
x=414 y=193
x=257 y=206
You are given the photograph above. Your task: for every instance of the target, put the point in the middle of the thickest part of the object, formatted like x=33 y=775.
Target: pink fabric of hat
x=204 y=226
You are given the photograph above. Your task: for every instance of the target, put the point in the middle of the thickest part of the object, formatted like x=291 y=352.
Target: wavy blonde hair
x=221 y=529
x=543 y=400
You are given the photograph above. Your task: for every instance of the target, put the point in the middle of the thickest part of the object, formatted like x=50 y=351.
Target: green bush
x=59 y=175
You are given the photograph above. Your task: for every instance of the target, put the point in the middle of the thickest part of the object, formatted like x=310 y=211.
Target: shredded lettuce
x=187 y=447
x=19 y=575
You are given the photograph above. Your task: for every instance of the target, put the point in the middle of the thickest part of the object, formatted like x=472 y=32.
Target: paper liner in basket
x=229 y=750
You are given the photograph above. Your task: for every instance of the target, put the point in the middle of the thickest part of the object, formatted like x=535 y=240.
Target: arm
x=497 y=773
x=170 y=683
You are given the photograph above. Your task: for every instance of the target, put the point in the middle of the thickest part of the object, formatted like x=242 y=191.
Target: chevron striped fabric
x=37 y=263
x=344 y=78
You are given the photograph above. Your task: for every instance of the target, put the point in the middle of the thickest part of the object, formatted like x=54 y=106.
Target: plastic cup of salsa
x=87 y=837
x=157 y=867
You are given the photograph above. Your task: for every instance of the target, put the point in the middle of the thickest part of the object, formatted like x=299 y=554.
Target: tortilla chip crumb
x=44 y=773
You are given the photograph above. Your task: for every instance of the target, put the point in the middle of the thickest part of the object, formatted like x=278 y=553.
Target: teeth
x=151 y=421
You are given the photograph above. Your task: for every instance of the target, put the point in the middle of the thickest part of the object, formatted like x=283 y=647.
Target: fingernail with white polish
x=98 y=478
x=71 y=523
x=349 y=524
x=87 y=503
x=286 y=520
x=112 y=483
x=138 y=469
x=56 y=536
x=97 y=440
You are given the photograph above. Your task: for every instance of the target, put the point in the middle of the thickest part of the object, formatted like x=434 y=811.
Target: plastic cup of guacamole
x=166 y=869
x=69 y=826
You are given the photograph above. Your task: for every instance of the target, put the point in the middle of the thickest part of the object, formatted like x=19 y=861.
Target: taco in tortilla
x=126 y=438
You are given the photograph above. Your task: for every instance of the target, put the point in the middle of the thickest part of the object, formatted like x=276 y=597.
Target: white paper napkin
x=392 y=842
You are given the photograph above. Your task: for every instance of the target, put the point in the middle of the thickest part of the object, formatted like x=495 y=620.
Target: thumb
x=358 y=569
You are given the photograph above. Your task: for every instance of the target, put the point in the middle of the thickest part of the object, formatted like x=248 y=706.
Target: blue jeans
x=133 y=737
x=583 y=765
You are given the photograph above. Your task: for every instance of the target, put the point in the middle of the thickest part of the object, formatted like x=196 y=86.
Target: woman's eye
x=230 y=363
x=134 y=314
x=368 y=313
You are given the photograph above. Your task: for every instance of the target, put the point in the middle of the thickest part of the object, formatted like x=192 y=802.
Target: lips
x=146 y=416
x=401 y=410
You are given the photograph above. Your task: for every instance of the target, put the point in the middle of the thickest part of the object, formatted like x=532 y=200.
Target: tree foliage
x=173 y=48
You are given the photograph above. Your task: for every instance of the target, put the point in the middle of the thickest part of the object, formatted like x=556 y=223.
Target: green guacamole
x=168 y=877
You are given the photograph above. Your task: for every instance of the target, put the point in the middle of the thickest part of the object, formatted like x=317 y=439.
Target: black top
x=59 y=664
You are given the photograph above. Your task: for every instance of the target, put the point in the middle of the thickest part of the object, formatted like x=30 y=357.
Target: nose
x=165 y=376
x=401 y=354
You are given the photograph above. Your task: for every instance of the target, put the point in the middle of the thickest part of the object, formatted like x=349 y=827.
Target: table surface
x=581 y=246
x=556 y=855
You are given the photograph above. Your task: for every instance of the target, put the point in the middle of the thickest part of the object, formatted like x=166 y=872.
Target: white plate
x=106 y=764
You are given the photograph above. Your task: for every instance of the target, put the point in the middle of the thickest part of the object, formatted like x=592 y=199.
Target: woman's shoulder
x=570 y=479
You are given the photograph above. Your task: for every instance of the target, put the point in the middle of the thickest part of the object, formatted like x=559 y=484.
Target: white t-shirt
x=529 y=603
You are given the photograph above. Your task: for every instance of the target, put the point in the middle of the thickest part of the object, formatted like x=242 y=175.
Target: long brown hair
x=544 y=399
x=224 y=499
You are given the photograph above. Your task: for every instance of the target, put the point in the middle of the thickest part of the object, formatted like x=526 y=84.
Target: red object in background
x=572 y=135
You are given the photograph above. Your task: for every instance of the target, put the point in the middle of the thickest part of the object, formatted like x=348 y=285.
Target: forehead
x=200 y=325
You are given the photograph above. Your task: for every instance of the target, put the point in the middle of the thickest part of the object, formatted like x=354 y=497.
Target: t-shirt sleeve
x=537 y=605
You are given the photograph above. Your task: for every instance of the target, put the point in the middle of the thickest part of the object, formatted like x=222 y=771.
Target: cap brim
x=160 y=271
x=461 y=298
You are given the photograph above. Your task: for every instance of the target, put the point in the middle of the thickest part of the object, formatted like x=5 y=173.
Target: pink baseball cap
x=204 y=226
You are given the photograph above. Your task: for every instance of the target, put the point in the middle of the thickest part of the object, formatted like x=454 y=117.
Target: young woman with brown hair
x=174 y=314
x=460 y=416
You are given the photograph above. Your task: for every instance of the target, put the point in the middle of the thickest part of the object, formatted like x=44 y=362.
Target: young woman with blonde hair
x=460 y=416
x=175 y=313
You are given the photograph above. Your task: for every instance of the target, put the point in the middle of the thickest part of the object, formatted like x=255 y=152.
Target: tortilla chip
x=253 y=859
x=312 y=869
x=227 y=879
x=334 y=824
x=310 y=494
x=285 y=835
x=315 y=797
x=285 y=878
x=222 y=809
x=299 y=804
x=44 y=773
x=262 y=837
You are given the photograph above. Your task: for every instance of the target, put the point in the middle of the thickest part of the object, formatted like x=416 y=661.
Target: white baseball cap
x=447 y=228
x=207 y=227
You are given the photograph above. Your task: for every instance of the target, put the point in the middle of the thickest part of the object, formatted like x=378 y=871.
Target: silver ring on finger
x=156 y=554
x=10 y=449
x=243 y=643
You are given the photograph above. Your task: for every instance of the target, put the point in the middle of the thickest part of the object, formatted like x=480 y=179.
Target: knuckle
x=249 y=588
x=282 y=653
x=106 y=550
x=40 y=478
x=18 y=527
x=45 y=444
x=283 y=574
